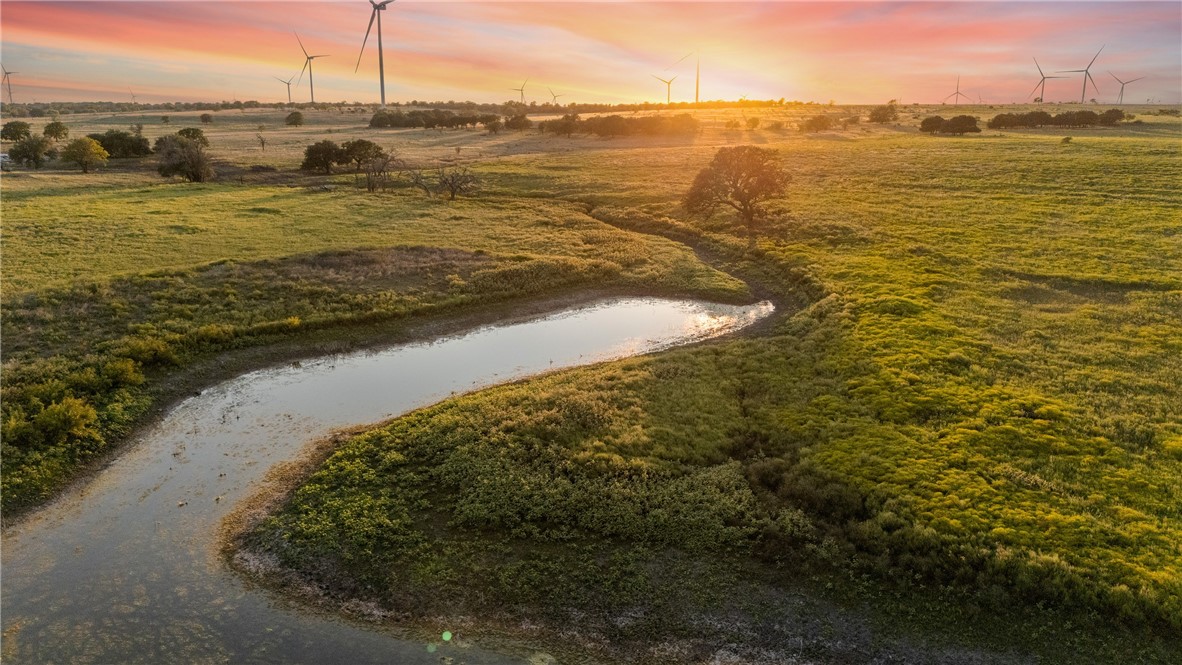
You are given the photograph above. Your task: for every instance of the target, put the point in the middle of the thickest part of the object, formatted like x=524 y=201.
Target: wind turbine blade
x=306 y=63
x=672 y=79
x=301 y=43
x=678 y=61
x=1035 y=88
x=1094 y=86
x=1070 y=71
x=1136 y=79
x=1096 y=56
x=373 y=15
x=1039 y=68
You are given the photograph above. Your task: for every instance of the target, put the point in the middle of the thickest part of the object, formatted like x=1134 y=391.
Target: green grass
x=969 y=433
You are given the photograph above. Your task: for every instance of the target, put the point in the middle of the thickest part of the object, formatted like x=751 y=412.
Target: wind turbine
x=697 y=71
x=957 y=95
x=554 y=97
x=1120 y=99
x=377 y=7
x=132 y=93
x=308 y=66
x=668 y=86
x=7 y=81
x=1042 y=83
x=521 y=90
x=288 y=84
x=1087 y=76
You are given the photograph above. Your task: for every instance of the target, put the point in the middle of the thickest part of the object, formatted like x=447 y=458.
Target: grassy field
x=964 y=432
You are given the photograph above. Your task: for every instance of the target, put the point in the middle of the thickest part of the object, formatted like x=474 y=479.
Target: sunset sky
x=851 y=52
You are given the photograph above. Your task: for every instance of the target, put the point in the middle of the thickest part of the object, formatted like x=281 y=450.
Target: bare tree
x=262 y=141
x=458 y=180
x=377 y=171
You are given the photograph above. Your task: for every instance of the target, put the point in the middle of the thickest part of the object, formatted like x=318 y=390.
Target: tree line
x=1108 y=118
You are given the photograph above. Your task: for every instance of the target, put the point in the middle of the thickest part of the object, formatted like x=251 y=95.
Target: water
x=125 y=570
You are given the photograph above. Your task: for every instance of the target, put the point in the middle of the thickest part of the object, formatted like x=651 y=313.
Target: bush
x=884 y=113
x=184 y=157
x=294 y=119
x=817 y=123
x=932 y=124
x=752 y=123
x=519 y=122
x=961 y=124
x=206 y=118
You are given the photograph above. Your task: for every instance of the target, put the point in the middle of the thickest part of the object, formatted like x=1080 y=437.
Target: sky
x=850 y=52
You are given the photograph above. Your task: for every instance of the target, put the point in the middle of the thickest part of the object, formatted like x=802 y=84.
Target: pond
x=125 y=569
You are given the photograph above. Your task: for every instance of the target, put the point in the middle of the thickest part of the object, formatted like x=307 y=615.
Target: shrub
x=184 y=157
x=206 y=118
x=961 y=124
x=817 y=123
x=884 y=113
x=294 y=119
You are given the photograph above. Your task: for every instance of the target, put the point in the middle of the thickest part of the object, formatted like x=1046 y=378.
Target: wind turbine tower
x=378 y=8
x=1087 y=76
x=957 y=95
x=1120 y=99
x=668 y=86
x=288 y=84
x=7 y=81
x=308 y=66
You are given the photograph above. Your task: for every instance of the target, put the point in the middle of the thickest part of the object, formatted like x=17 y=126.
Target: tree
x=86 y=153
x=194 y=134
x=961 y=124
x=262 y=142
x=294 y=119
x=56 y=131
x=885 y=113
x=120 y=144
x=184 y=157
x=753 y=123
x=457 y=181
x=931 y=124
x=206 y=118
x=359 y=151
x=817 y=123
x=15 y=130
x=519 y=122
x=30 y=151
x=321 y=155
x=165 y=119
x=743 y=178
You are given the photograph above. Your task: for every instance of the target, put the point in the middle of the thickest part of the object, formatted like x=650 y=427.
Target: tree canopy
x=744 y=178
x=86 y=152
x=15 y=130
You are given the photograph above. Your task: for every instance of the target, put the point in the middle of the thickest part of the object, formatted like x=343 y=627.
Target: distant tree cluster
x=1108 y=118
x=431 y=119
x=32 y=151
x=323 y=155
x=618 y=125
x=961 y=124
x=121 y=145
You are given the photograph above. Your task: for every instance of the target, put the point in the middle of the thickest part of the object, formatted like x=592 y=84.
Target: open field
x=963 y=434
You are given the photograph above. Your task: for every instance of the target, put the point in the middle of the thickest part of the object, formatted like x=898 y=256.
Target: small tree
x=753 y=123
x=457 y=181
x=56 y=130
x=137 y=128
x=294 y=119
x=184 y=157
x=321 y=155
x=817 y=123
x=86 y=153
x=377 y=171
x=519 y=122
x=31 y=151
x=262 y=141
x=884 y=113
x=743 y=178
x=359 y=151
x=15 y=130
x=194 y=134
x=206 y=118
x=164 y=120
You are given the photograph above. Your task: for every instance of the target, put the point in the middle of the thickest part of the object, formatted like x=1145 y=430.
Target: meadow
x=963 y=431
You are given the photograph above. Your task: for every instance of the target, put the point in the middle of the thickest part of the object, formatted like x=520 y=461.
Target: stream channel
x=125 y=568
